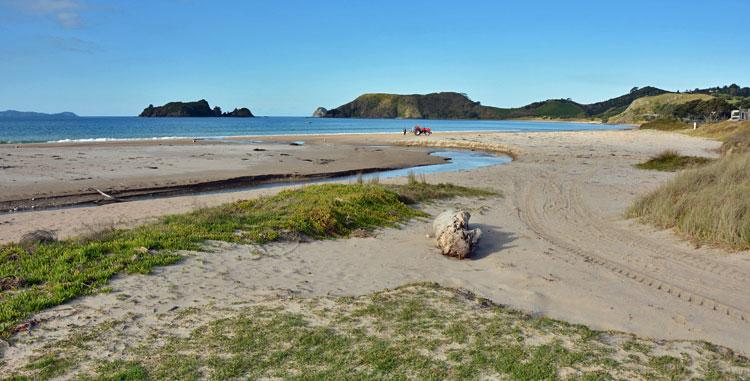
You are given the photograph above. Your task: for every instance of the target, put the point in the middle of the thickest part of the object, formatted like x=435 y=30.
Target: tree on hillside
x=711 y=110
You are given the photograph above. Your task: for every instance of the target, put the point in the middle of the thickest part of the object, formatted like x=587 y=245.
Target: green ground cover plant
x=36 y=275
x=671 y=161
x=419 y=331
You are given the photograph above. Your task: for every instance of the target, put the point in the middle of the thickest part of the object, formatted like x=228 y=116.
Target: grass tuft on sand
x=417 y=190
x=671 y=161
x=708 y=204
x=419 y=331
x=44 y=274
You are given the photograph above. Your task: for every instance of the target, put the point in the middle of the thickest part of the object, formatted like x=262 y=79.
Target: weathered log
x=452 y=233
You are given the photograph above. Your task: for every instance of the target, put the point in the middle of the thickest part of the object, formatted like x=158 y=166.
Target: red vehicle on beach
x=422 y=130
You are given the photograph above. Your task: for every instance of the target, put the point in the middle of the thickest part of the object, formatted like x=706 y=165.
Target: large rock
x=452 y=233
x=243 y=112
x=319 y=112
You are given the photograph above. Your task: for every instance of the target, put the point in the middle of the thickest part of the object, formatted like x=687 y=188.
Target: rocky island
x=319 y=112
x=199 y=108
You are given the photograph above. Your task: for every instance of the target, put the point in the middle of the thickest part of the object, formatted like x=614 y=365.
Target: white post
x=695 y=125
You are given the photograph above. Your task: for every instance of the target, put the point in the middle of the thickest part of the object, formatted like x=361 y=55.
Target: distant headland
x=637 y=106
x=199 y=108
x=35 y=115
x=453 y=105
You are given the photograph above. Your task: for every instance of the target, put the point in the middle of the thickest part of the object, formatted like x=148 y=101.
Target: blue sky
x=287 y=57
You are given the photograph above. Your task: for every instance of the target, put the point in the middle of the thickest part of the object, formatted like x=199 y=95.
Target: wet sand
x=45 y=175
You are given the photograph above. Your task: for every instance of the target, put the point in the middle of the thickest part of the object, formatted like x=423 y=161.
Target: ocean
x=129 y=128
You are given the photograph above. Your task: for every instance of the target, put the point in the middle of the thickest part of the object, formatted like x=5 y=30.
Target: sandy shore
x=44 y=175
x=557 y=244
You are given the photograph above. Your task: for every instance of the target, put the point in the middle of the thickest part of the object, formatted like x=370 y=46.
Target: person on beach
x=404 y=131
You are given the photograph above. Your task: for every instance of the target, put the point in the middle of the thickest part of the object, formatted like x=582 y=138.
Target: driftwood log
x=452 y=233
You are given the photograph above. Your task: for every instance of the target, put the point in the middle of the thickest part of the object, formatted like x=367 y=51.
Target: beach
x=556 y=244
x=59 y=174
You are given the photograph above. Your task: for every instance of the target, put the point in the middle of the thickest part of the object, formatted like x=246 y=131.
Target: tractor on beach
x=418 y=130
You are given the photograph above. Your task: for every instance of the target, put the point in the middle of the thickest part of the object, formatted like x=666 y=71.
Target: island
x=35 y=115
x=195 y=109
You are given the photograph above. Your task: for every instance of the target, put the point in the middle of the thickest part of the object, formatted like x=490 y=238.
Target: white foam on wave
x=118 y=139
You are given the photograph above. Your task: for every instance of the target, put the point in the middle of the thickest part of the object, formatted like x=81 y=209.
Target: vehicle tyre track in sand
x=592 y=214
x=555 y=211
x=651 y=246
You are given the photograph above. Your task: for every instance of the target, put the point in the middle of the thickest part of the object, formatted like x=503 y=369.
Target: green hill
x=653 y=107
x=617 y=105
x=551 y=109
x=447 y=105
x=452 y=105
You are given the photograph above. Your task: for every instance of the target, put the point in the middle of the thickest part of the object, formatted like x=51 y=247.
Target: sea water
x=127 y=128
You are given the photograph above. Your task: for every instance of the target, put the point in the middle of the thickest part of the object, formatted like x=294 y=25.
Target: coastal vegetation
x=665 y=124
x=671 y=161
x=199 y=108
x=417 y=331
x=652 y=107
x=451 y=105
x=41 y=273
x=708 y=204
x=637 y=106
x=709 y=105
x=722 y=131
x=446 y=105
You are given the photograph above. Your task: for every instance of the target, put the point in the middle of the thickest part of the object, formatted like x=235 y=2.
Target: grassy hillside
x=448 y=105
x=662 y=105
x=637 y=106
x=617 y=105
x=451 y=105
x=552 y=109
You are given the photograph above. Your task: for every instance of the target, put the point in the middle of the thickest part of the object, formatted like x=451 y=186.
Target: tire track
x=649 y=245
x=553 y=198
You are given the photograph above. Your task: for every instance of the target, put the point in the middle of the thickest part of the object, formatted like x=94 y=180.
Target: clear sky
x=286 y=57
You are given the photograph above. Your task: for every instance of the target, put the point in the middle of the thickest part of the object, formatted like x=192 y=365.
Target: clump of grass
x=665 y=124
x=709 y=204
x=671 y=161
x=419 y=331
x=737 y=142
x=418 y=190
x=54 y=272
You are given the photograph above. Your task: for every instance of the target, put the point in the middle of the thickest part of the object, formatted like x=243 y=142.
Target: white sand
x=557 y=244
